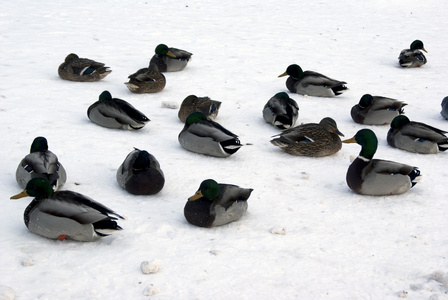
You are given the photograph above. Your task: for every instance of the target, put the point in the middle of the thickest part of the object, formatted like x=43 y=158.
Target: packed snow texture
x=306 y=235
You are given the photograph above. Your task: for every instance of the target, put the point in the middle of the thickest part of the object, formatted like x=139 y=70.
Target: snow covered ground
x=306 y=234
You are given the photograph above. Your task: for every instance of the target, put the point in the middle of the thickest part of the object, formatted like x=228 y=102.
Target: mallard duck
x=202 y=135
x=444 y=111
x=41 y=163
x=312 y=83
x=146 y=80
x=216 y=204
x=376 y=110
x=115 y=113
x=170 y=59
x=311 y=139
x=369 y=176
x=281 y=111
x=82 y=69
x=140 y=174
x=416 y=137
x=413 y=57
x=66 y=214
x=205 y=105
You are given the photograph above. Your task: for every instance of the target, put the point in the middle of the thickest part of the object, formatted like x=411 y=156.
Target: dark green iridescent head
x=417 y=45
x=142 y=161
x=105 y=96
x=365 y=101
x=399 y=122
x=161 y=49
x=295 y=71
x=38 y=188
x=39 y=144
x=196 y=117
x=282 y=95
x=209 y=189
x=368 y=141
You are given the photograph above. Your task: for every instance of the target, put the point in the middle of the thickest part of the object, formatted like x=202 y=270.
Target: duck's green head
x=399 y=122
x=282 y=95
x=330 y=125
x=163 y=50
x=295 y=71
x=365 y=101
x=368 y=141
x=105 y=96
x=37 y=187
x=209 y=189
x=39 y=144
x=417 y=44
x=195 y=117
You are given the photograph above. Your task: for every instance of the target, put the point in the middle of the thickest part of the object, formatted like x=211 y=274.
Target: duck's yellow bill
x=352 y=140
x=20 y=195
x=196 y=196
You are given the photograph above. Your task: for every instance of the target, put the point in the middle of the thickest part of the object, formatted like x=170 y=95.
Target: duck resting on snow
x=368 y=176
x=82 y=69
x=413 y=57
x=312 y=83
x=170 y=59
x=66 y=214
x=146 y=80
x=216 y=204
x=281 y=111
x=376 y=110
x=205 y=105
x=41 y=163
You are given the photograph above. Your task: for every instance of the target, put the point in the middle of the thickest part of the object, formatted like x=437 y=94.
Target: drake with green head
x=204 y=136
x=281 y=111
x=368 y=176
x=312 y=83
x=116 y=113
x=140 y=174
x=82 y=69
x=216 y=204
x=413 y=57
x=170 y=59
x=376 y=110
x=146 y=80
x=311 y=139
x=41 y=163
x=66 y=214
x=416 y=136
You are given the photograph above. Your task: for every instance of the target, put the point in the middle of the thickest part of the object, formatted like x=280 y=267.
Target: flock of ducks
x=59 y=214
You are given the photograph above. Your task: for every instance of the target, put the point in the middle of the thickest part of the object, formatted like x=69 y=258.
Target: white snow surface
x=306 y=235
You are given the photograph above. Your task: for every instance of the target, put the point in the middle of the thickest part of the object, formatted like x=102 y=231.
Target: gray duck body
x=146 y=80
x=82 y=69
x=416 y=137
x=67 y=214
x=376 y=110
x=229 y=206
x=310 y=139
x=116 y=113
x=172 y=60
x=413 y=57
x=205 y=105
x=207 y=137
x=140 y=174
x=41 y=163
x=281 y=111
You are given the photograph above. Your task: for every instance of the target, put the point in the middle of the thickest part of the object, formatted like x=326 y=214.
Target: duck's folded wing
x=390 y=167
x=418 y=130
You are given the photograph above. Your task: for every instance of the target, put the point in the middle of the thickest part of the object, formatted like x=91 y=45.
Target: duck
x=140 y=173
x=444 y=111
x=170 y=59
x=82 y=69
x=205 y=136
x=116 y=113
x=146 y=80
x=281 y=111
x=192 y=103
x=216 y=204
x=416 y=137
x=42 y=163
x=312 y=83
x=413 y=57
x=376 y=110
x=377 y=177
x=311 y=139
x=66 y=214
